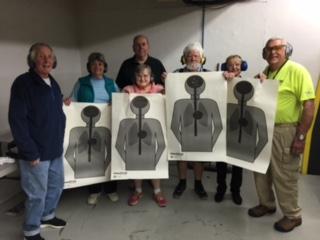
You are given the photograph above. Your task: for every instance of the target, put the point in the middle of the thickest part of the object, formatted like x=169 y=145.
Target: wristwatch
x=301 y=137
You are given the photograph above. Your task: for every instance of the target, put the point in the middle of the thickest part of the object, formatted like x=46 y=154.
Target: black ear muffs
x=264 y=53
x=289 y=50
x=183 y=60
x=30 y=62
x=244 y=66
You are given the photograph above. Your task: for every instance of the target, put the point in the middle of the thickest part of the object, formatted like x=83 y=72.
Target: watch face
x=301 y=137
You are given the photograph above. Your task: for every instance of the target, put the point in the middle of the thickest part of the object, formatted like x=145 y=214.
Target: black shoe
x=178 y=191
x=53 y=223
x=34 y=237
x=236 y=197
x=219 y=196
x=199 y=190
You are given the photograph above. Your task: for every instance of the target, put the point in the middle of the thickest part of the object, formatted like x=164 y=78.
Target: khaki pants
x=283 y=174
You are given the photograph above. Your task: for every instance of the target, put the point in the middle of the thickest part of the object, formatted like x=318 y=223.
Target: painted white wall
x=109 y=27
x=241 y=28
x=75 y=28
x=24 y=22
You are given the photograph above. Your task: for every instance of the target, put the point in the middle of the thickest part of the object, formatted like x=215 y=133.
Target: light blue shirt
x=100 y=93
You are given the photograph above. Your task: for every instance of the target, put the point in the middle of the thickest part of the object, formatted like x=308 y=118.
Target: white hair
x=196 y=46
x=283 y=41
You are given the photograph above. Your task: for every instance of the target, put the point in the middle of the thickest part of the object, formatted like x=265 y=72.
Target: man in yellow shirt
x=294 y=113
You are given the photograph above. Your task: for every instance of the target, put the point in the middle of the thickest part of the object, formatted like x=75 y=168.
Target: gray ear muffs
x=289 y=50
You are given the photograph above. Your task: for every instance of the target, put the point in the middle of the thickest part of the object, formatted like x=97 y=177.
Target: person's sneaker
x=114 y=197
x=178 y=191
x=218 y=197
x=286 y=224
x=34 y=237
x=260 y=210
x=199 y=190
x=93 y=198
x=236 y=197
x=160 y=200
x=135 y=198
x=53 y=223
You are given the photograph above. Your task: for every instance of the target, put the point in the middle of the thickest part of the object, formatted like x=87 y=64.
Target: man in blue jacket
x=37 y=124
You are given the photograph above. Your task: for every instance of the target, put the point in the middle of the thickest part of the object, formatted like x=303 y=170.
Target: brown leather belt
x=285 y=124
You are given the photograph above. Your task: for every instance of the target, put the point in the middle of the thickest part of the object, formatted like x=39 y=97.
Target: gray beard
x=195 y=67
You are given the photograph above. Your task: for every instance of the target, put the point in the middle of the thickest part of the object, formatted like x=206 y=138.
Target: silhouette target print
x=89 y=149
x=196 y=122
x=140 y=141
x=246 y=125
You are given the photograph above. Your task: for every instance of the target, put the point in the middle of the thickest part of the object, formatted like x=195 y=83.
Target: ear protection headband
x=184 y=61
x=288 y=51
x=32 y=54
x=244 y=66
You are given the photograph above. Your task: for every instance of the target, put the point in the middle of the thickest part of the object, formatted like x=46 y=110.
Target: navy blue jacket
x=36 y=118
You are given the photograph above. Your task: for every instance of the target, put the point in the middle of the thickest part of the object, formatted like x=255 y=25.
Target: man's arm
x=303 y=127
x=18 y=120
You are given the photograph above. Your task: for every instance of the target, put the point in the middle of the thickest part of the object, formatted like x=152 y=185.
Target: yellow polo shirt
x=295 y=86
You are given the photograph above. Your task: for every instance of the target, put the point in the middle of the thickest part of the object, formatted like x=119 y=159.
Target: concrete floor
x=185 y=219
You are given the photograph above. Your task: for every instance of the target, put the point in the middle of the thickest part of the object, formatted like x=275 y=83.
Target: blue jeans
x=43 y=185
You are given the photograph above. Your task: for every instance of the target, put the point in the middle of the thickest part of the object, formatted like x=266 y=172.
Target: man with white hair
x=294 y=113
x=37 y=124
x=193 y=58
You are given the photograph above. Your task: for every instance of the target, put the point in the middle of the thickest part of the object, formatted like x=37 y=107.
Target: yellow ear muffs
x=183 y=60
x=203 y=60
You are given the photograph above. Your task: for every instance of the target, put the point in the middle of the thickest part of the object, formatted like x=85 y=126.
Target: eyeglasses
x=275 y=48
